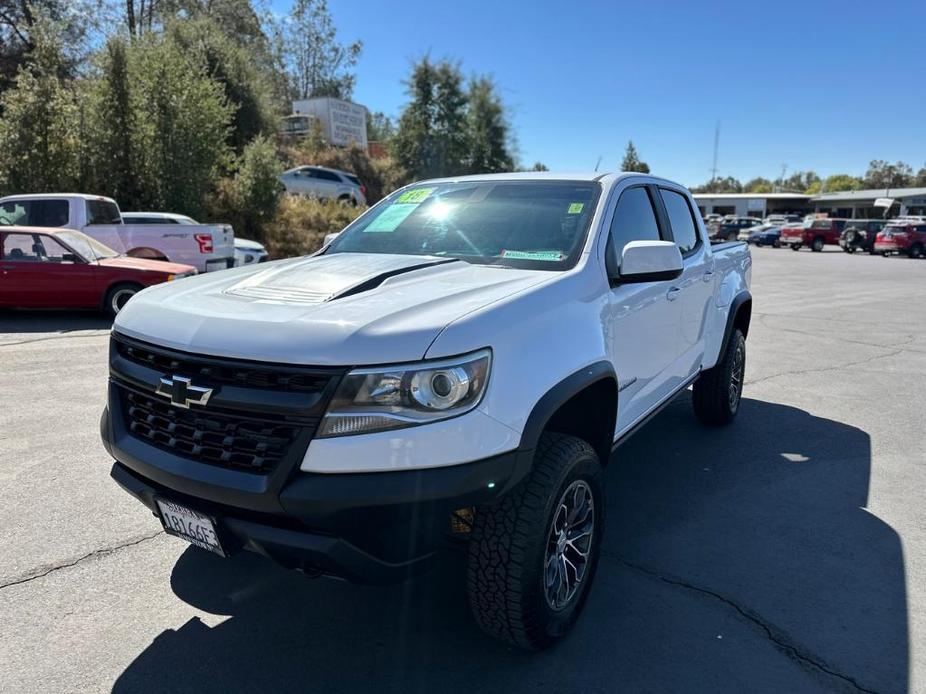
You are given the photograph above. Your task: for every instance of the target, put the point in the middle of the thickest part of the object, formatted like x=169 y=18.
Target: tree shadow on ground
x=737 y=559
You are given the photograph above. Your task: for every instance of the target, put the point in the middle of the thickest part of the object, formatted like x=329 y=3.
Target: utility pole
x=781 y=179
x=716 y=148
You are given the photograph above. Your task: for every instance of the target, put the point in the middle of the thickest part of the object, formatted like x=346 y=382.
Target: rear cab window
x=681 y=219
x=103 y=212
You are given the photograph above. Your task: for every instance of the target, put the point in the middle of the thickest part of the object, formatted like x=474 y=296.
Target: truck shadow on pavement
x=736 y=559
x=51 y=321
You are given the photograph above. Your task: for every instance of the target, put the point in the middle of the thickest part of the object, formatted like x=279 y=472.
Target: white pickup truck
x=455 y=368
x=206 y=247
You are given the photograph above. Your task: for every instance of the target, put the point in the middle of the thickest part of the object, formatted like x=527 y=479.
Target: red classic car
x=64 y=268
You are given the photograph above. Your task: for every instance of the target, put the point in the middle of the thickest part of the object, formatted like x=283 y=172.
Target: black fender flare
x=736 y=305
x=559 y=395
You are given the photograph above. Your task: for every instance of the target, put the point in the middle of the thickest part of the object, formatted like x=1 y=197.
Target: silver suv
x=324 y=183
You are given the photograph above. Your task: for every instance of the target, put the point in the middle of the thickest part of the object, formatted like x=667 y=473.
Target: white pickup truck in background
x=206 y=247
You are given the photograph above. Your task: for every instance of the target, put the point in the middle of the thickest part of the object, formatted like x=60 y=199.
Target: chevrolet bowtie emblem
x=182 y=393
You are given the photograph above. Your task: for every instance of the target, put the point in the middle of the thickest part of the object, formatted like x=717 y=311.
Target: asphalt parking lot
x=786 y=553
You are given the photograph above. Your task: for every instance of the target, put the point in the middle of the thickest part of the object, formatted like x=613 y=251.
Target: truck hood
x=341 y=309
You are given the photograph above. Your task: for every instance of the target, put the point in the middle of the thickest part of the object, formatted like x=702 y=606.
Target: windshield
x=88 y=248
x=524 y=224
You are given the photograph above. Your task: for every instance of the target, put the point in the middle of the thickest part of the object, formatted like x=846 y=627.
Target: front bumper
x=366 y=527
x=214 y=264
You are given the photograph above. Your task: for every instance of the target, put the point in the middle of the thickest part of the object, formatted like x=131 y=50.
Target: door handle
x=673 y=293
x=708 y=276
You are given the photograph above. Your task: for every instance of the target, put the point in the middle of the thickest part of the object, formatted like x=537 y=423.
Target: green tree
x=758 y=185
x=631 y=161
x=920 y=180
x=111 y=124
x=40 y=128
x=250 y=199
x=799 y=181
x=182 y=138
x=728 y=184
x=431 y=139
x=231 y=64
x=539 y=166
x=318 y=64
x=380 y=127
x=838 y=182
x=882 y=174
x=488 y=130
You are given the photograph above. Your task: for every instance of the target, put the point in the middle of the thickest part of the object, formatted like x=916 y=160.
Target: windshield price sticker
x=575 y=208
x=416 y=196
x=554 y=256
x=391 y=217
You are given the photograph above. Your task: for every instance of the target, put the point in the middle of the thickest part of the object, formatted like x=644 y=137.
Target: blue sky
x=815 y=85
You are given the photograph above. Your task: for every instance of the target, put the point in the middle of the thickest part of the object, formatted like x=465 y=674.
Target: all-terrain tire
x=508 y=551
x=718 y=391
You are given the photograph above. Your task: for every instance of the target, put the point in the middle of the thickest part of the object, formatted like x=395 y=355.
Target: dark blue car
x=766 y=236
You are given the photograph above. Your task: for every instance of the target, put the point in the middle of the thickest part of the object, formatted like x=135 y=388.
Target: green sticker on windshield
x=416 y=195
x=390 y=218
x=533 y=255
x=575 y=208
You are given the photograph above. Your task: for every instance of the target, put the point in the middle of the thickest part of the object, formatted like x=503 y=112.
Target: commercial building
x=752 y=204
x=860 y=204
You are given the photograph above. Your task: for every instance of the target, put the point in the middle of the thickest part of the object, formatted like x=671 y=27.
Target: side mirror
x=649 y=261
x=70 y=258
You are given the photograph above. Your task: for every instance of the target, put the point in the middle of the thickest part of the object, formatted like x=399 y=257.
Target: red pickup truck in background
x=64 y=268
x=907 y=237
x=816 y=235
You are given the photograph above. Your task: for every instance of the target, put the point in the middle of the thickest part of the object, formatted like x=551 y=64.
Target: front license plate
x=190 y=525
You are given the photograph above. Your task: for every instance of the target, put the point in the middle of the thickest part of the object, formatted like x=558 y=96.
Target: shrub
x=301 y=224
x=250 y=199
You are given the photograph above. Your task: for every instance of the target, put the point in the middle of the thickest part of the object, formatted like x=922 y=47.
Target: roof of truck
x=548 y=176
x=45 y=196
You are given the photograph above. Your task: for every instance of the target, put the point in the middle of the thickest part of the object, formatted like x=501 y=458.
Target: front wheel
x=817 y=245
x=533 y=553
x=118 y=296
x=795 y=247
x=916 y=251
x=717 y=393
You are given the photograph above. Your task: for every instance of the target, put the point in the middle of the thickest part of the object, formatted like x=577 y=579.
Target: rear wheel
x=795 y=247
x=718 y=391
x=118 y=296
x=533 y=553
x=916 y=250
x=817 y=244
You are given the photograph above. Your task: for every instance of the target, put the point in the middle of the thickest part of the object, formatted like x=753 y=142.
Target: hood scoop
x=325 y=278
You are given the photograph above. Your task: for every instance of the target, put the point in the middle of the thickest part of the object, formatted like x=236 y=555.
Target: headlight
x=393 y=397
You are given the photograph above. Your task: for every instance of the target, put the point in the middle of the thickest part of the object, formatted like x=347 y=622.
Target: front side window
x=327 y=175
x=523 y=224
x=20 y=248
x=634 y=220
x=681 y=220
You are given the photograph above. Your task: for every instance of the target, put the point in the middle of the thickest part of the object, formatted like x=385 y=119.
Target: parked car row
x=81 y=251
x=903 y=236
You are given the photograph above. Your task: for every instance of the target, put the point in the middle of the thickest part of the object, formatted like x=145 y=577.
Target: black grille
x=227 y=440
x=225 y=372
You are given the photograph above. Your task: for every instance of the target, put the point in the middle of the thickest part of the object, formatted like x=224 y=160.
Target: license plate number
x=192 y=526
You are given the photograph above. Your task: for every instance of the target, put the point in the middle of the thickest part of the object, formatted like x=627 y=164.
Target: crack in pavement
x=824 y=369
x=102 y=552
x=779 y=639
x=908 y=339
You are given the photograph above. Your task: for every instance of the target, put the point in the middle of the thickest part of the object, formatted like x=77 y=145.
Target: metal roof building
x=752 y=204
x=861 y=203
